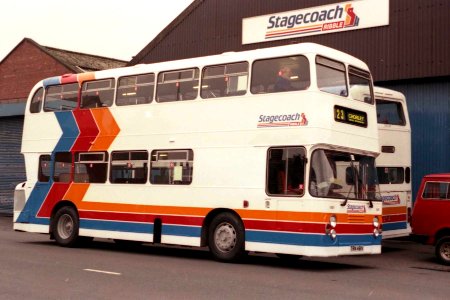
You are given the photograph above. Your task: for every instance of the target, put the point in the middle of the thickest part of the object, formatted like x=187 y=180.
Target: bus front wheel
x=226 y=237
x=65 y=227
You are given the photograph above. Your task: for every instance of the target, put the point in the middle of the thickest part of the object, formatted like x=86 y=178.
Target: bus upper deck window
x=360 y=85
x=390 y=112
x=224 y=80
x=61 y=97
x=136 y=89
x=177 y=85
x=36 y=101
x=281 y=74
x=98 y=93
x=331 y=76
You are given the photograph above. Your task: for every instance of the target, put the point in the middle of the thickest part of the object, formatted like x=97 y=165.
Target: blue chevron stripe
x=70 y=130
x=52 y=81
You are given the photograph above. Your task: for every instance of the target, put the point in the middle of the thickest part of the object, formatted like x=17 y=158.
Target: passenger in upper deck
x=283 y=82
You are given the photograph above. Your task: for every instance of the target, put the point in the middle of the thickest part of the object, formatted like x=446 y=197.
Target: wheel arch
x=57 y=207
x=208 y=219
x=441 y=233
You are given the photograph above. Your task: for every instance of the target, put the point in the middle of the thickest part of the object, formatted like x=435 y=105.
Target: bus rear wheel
x=65 y=227
x=442 y=250
x=226 y=237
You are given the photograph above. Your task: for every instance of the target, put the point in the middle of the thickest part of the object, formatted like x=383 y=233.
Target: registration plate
x=356 y=248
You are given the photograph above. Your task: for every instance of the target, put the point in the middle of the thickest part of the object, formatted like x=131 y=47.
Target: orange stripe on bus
x=108 y=129
x=133 y=208
x=85 y=77
x=394 y=210
x=76 y=192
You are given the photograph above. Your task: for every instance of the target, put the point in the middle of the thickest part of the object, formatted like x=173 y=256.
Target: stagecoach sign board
x=343 y=16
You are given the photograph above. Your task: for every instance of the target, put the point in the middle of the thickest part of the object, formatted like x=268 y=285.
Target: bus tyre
x=65 y=227
x=442 y=250
x=226 y=237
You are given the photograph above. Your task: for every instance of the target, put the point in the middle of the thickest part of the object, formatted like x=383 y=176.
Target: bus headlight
x=333 y=221
x=376 y=223
x=377 y=227
x=376 y=232
x=332 y=234
x=330 y=228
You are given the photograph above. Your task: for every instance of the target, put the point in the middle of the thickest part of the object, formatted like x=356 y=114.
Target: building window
x=61 y=97
x=44 y=168
x=360 y=85
x=36 y=101
x=129 y=167
x=136 y=89
x=331 y=76
x=224 y=80
x=177 y=85
x=63 y=167
x=91 y=167
x=99 y=93
x=171 y=166
x=280 y=75
x=286 y=171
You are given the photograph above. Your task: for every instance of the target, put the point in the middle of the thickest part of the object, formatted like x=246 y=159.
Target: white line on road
x=104 y=272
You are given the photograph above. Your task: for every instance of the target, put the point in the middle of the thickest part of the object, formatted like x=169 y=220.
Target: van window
x=436 y=191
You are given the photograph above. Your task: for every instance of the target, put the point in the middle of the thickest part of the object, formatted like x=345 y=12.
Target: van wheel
x=443 y=250
x=65 y=227
x=226 y=237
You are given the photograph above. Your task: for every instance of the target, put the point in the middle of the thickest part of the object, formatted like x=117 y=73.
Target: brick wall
x=23 y=68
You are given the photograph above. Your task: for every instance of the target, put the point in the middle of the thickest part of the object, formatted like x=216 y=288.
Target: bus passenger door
x=286 y=183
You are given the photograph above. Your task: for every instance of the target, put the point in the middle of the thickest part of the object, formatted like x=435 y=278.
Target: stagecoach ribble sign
x=343 y=16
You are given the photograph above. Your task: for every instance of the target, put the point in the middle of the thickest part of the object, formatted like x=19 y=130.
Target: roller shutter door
x=12 y=169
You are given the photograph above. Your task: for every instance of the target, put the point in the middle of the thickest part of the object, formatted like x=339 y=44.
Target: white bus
x=237 y=152
x=394 y=162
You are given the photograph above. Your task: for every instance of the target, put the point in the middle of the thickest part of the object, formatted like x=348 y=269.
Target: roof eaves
x=165 y=32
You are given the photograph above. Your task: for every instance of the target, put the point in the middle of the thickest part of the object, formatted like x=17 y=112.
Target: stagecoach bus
x=394 y=162
x=238 y=152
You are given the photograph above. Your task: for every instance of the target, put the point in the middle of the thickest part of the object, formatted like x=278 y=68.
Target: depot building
x=405 y=43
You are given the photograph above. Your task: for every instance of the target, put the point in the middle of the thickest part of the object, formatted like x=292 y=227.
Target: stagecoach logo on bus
x=284 y=120
x=356 y=209
x=349 y=15
x=390 y=199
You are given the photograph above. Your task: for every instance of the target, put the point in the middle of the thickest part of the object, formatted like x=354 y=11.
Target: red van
x=431 y=215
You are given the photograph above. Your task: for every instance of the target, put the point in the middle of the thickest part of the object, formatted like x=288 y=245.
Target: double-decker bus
x=394 y=162
x=237 y=152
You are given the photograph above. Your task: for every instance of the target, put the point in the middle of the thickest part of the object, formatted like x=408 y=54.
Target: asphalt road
x=33 y=267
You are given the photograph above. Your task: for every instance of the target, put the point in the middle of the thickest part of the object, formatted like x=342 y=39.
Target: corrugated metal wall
x=12 y=170
x=414 y=45
x=429 y=112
